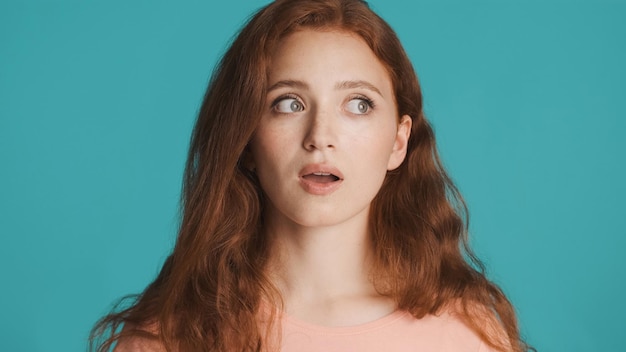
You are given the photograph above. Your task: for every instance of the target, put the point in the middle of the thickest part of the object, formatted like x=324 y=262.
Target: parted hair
x=208 y=294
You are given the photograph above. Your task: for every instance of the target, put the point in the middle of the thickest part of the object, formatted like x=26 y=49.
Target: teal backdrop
x=97 y=100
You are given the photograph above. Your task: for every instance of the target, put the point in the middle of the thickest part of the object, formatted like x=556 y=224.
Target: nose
x=321 y=131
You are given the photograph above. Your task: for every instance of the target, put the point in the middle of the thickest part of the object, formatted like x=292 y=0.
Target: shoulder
x=139 y=340
x=138 y=344
x=445 y=331
x=451 y=332
x=461 y=329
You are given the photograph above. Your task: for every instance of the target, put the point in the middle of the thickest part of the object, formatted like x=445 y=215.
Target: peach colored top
x=397 y=332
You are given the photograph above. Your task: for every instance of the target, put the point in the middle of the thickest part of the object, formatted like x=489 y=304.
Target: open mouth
x=321 y=177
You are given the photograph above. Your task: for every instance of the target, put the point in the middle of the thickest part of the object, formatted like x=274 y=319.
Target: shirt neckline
x=297 y=324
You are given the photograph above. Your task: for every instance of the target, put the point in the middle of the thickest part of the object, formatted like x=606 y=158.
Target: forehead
x=326 y=54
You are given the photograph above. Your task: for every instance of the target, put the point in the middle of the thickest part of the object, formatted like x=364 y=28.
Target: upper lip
x=320 y=169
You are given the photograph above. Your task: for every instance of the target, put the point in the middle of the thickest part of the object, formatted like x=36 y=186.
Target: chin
x=312 y=222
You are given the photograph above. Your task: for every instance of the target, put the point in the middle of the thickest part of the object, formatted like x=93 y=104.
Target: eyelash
x=370 y=103
x=283 y=97
x=367 y=100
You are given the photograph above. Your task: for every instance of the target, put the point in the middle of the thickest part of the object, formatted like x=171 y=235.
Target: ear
x=399 y=146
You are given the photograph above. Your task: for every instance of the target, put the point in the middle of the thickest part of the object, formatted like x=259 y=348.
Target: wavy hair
x=208 y=293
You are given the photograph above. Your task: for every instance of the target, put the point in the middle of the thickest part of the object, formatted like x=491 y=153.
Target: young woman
x=316 y=213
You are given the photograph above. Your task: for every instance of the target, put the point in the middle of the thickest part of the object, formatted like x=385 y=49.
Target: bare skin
x=320 y=114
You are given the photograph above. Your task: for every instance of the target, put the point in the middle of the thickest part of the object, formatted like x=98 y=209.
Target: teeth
x=321 y=173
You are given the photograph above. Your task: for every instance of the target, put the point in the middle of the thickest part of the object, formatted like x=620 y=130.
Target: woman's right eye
x=288 y=105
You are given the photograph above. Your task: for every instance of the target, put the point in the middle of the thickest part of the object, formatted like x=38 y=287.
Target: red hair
x=207 y=295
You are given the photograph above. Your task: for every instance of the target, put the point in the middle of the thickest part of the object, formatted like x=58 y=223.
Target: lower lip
x=318 y=188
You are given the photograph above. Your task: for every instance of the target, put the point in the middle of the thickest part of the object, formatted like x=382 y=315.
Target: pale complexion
x=329 y=134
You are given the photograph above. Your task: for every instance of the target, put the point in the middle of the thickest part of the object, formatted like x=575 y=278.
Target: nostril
x=319 y=136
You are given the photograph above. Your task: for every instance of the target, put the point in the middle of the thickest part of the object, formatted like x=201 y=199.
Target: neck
x=323 y=273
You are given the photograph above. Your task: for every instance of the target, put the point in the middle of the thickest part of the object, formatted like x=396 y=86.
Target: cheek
x=382 y=142
x=270 y=152
x=271 y=134
x=261 y=145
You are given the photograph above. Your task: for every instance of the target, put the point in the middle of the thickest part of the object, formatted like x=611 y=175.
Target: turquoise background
x=97 y=100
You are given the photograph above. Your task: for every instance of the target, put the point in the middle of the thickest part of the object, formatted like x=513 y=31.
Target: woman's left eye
x=359 y=106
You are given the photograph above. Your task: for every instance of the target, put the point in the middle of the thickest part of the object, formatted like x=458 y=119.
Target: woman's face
x=329 y=132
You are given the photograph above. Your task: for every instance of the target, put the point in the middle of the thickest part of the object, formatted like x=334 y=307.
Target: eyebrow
x=289 y=84
x=339 y=86
x=357 y=84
